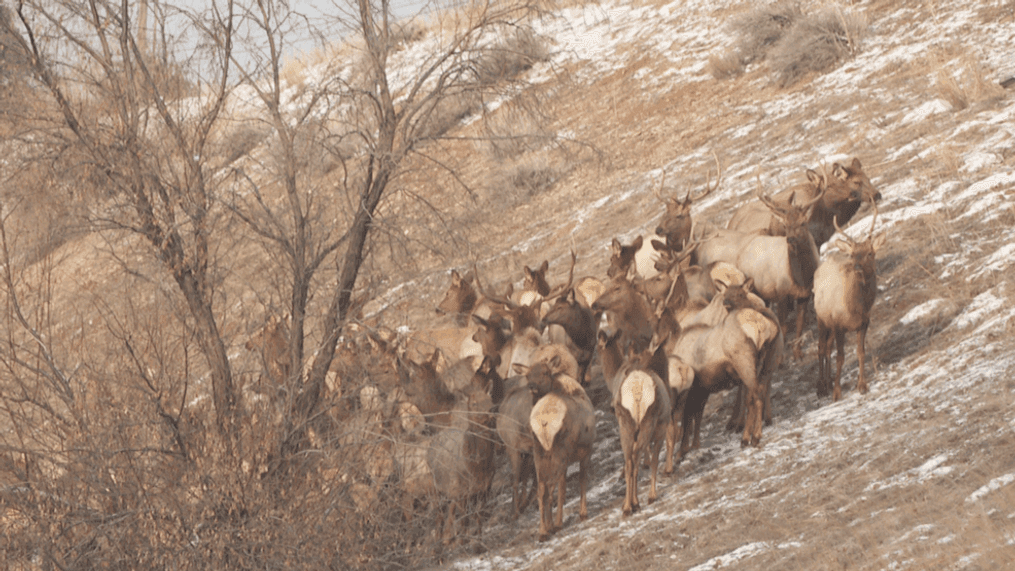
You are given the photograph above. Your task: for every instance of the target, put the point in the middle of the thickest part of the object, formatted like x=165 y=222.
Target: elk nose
x=660 y=231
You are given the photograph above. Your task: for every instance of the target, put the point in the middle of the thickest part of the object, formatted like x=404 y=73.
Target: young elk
x=563 y=424
x=845 y=286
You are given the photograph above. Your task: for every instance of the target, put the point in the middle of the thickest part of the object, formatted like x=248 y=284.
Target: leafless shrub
x=761 y=29
x=524 y=179
x=793 y=42
x=513 y=55
x=816 y=43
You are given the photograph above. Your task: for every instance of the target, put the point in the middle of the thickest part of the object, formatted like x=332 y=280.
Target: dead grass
x=792 y=42
x=964 y=81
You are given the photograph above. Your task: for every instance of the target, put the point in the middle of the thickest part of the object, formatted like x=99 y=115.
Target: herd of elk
x=686 y=317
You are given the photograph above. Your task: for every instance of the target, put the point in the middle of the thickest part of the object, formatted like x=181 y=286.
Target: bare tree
x=142 y=140
x=377 y=123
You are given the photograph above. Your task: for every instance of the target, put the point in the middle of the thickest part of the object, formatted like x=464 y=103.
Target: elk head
x=675 y=225
x=535 y=280
x=460 y=299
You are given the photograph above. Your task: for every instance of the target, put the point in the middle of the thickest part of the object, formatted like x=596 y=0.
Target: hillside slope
x=914 y=475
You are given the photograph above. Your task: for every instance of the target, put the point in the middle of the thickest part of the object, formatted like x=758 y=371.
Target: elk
x=782 y=267
x=461 y=455
x=637 y=259
x=272 y=342
x=843 y=193
x=426 y=389
x=513 y=429
x=588 y=290
x=579 y=324
x=513 y=420
x=629 y=311
x=563 y=424
x=676 y=224
x=643 y=407
x=845 y=286
x=722 y=355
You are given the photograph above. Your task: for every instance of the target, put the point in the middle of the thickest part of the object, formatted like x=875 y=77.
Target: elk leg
x=561 y=489
x=736 y=421
x=630 y=468
x=528 y=479
x=801 y=316
x=584 y=469
x=655 y=448
x=745 y=367
x=545 y=510
x=861 y=335
x=840 y=358
x=824 y=358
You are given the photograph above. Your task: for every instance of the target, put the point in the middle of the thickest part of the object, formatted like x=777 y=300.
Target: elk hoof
x=544 y=537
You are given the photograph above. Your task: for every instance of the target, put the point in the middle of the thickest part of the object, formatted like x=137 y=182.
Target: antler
x=490 y=296
x=659 y=191
x=560 y=290
x=870 y=235
x=709 y=189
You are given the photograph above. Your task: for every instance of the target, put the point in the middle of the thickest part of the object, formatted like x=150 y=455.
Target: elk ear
x=659 y=246
x=520 y=369
x=479 y=320
x=856 y=164
x=879 y=241
x=814 y=177
x=603 y=337
x=544 y=266
x=748 y=284
x=456 y=280
x=571 y=300
x=554 y=363
x=528 y=272
x=839 y=172
x=844 y=246
x=637 y=243
x=615 y=246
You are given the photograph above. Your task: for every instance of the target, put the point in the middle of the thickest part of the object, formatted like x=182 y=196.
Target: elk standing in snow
x=642 y=405
x=563 y=424
x=845 y=286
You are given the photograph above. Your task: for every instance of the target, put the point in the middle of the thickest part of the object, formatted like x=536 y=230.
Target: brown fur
x=845 y=289
x=565 y=420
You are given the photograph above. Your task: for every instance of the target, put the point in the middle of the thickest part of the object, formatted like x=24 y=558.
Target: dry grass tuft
x=968 y=85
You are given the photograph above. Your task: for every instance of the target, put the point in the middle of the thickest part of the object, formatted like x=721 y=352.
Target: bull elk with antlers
x=782 y=267
x=843 y=193
x=845 y=286
x=676 y=224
